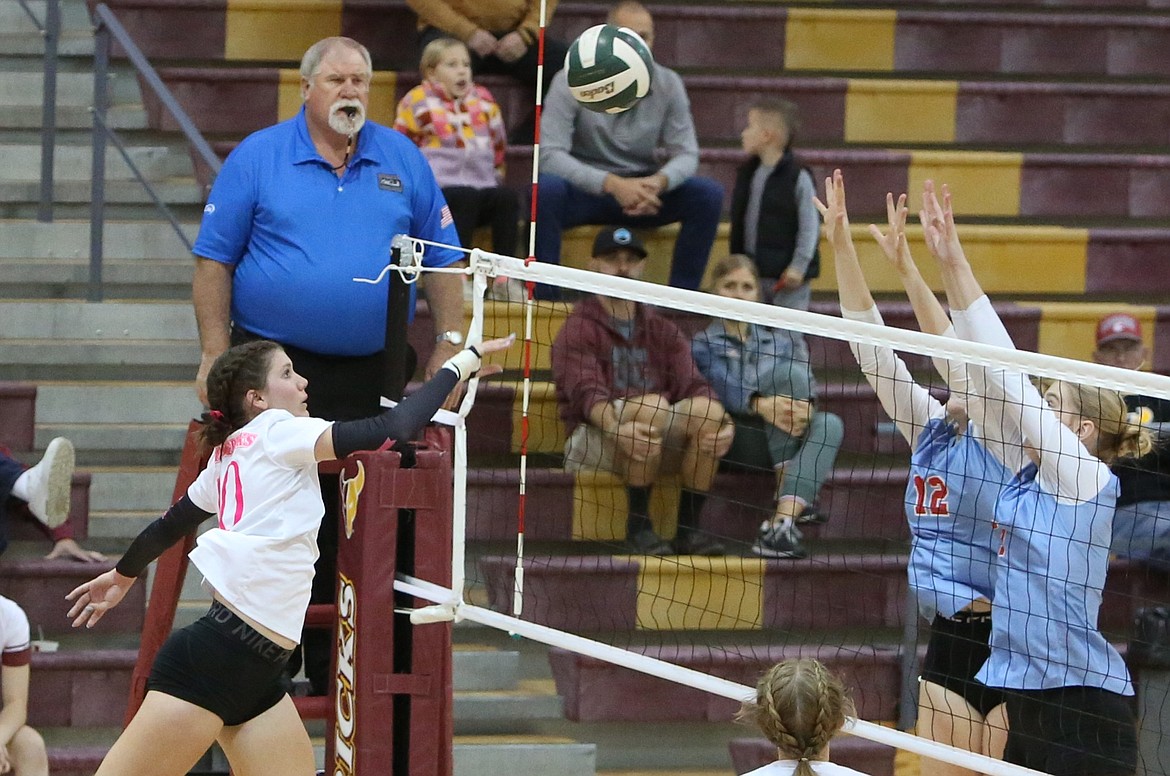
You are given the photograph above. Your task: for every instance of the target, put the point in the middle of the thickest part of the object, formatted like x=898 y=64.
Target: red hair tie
x=216 y=415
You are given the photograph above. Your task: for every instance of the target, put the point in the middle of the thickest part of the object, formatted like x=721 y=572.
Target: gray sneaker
x=781 y=540
x=49 y=482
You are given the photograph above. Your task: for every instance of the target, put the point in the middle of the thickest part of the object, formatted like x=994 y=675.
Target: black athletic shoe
x=697 y=544
x=648 y=543
x=779 y=541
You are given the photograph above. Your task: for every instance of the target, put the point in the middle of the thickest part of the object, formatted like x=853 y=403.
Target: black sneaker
x=779 y=541
x=697 y=544
x=810 y=515
x=648 y=543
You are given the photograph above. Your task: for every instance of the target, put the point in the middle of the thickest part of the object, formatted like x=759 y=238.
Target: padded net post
x=379 y=497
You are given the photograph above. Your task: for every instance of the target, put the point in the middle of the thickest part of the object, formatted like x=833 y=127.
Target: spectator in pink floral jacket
x=459 y=129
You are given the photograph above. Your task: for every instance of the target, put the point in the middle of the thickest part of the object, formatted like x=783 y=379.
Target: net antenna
x=529 y=306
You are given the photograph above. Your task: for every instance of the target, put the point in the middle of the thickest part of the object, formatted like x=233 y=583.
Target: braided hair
x=799 y=706
x=238 y=370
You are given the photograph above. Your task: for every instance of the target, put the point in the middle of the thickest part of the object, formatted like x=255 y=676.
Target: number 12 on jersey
x=931 y=495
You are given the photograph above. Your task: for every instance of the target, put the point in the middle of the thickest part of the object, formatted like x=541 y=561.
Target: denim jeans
x=696 y=204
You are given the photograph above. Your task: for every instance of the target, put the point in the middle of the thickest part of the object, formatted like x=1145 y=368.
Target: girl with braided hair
x=799 y=707
x=219 y=679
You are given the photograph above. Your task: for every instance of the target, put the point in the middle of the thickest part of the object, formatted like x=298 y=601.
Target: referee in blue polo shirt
x=299 y=210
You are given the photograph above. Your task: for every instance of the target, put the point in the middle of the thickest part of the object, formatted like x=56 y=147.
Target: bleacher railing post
x=97 y=205
x=51 y=33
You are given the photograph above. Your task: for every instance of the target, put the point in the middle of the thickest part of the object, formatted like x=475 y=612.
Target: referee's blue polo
x=297 y=234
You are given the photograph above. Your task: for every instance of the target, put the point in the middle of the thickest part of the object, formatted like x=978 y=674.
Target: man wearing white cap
x=1141 y=524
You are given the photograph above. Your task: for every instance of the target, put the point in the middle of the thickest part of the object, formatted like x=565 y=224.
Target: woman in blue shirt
x=772 y=397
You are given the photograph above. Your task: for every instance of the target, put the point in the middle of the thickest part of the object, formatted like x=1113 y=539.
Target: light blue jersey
x=1053 y=559
x=950 y=505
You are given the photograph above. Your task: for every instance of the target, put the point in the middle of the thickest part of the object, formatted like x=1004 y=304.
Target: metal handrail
x=50 y=30
x=106 y=25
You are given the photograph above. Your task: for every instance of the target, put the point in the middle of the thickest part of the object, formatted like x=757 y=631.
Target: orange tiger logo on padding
x=351 y=491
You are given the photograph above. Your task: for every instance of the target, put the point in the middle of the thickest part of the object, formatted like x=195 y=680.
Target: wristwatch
x=454 y=337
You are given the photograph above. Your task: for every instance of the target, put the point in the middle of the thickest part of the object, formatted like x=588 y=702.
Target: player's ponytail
x=1135 y=440
x=238 y=370
x=1118 y=435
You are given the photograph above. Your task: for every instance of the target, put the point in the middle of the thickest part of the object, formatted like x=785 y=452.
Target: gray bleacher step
x=24 y=87
x=58 y=278
x=22 y=162
x=74 y=16
x=484 y=711
x=138 y=438
x=512 y=755
x=523 y=755
x=107 y=322
x=143 y=489
x=173 y=191
x=98 y=359
x=116 y=403
x=478 y=668
x=70 y=239
x=114 y=423
x=78 y=736
x=73 y=340
x=27 y=115
x=70 y=43
x=121 y=525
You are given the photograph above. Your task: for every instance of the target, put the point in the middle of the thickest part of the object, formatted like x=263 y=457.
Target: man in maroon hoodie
x=634 y=403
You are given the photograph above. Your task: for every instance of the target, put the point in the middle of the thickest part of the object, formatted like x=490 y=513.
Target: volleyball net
x=542 y=542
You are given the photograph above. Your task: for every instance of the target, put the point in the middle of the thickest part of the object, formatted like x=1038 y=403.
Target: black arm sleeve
x=181 y=519
x=397 y=424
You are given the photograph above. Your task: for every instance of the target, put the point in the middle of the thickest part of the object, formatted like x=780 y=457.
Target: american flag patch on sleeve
x=446 y=219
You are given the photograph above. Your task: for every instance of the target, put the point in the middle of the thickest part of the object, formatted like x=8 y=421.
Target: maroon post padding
x=168 y=579
x=374 y=488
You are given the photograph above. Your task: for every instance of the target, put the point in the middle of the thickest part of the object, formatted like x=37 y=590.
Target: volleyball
x=609 y=68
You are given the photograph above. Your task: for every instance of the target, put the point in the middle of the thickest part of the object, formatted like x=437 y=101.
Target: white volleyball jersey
x=788 y=767
x=262 y=483
x=14 y=634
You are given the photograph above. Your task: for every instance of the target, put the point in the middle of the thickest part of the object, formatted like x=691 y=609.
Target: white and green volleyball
x=609 y=68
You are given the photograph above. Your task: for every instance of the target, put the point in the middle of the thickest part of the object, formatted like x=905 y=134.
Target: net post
x=372 y=677
x=397 y=314
x=363 y=661
x=432 y=719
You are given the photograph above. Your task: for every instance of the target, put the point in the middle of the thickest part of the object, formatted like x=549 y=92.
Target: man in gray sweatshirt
x=635 y=168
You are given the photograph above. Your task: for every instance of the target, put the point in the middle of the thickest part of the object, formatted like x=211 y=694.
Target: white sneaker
x=49 y=482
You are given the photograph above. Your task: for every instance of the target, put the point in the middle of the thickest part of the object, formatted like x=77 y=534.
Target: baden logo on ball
x=609 y=68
